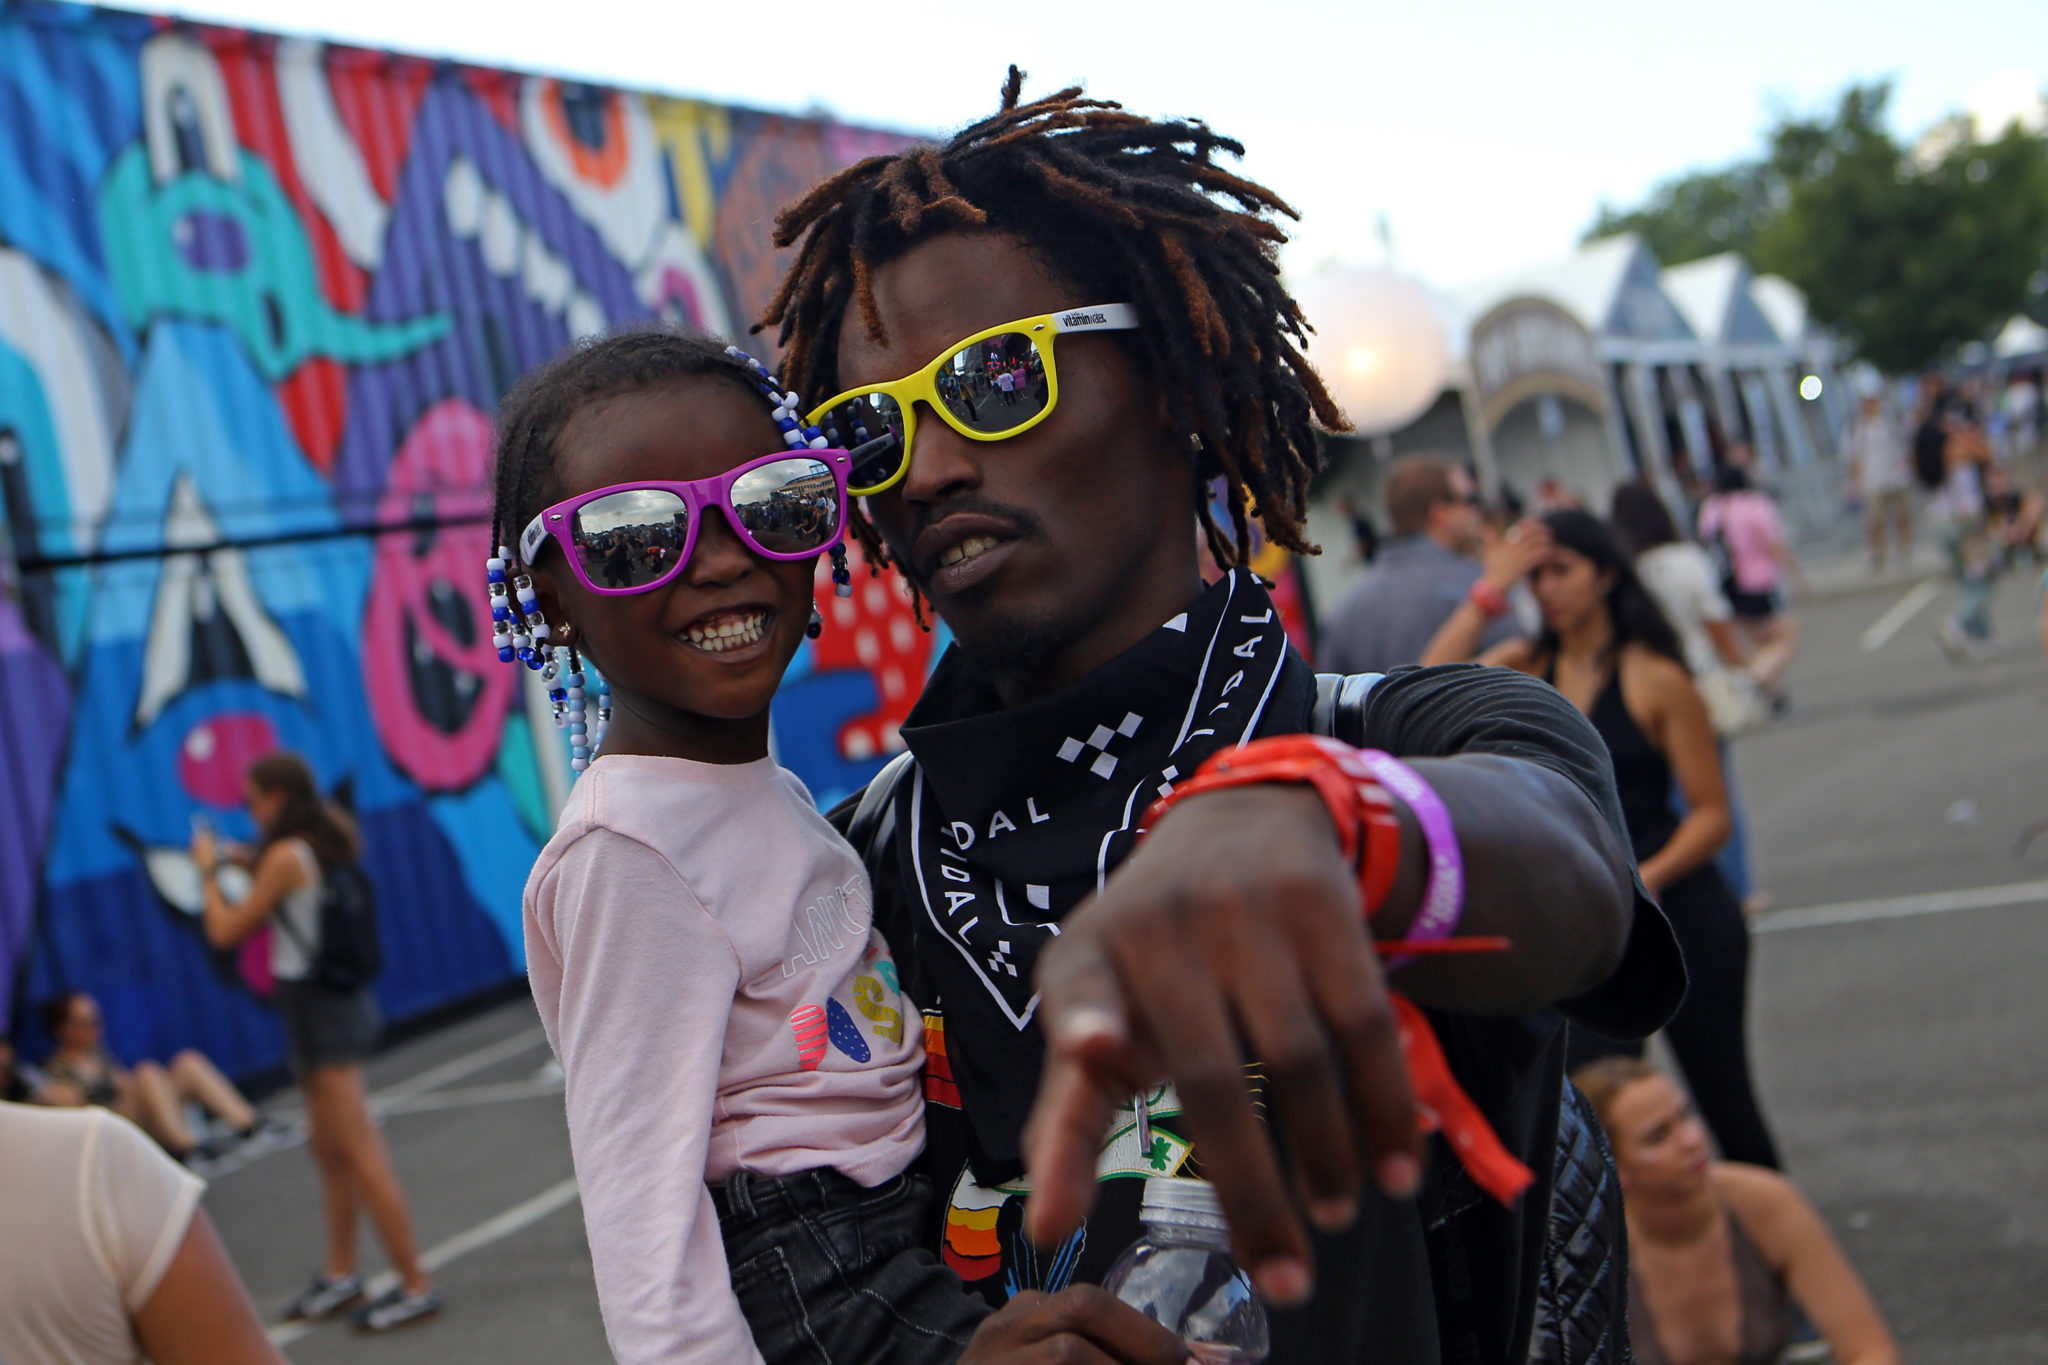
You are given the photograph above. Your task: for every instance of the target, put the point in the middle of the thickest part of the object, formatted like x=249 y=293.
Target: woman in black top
x=1607 y=647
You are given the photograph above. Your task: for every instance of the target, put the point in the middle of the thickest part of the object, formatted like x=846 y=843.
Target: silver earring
x=817 y=622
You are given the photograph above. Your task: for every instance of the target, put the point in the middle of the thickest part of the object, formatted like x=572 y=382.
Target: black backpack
x=1930 y=453
x=350 y=954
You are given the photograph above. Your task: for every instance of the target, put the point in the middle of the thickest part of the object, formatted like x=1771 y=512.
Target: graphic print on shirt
x=823 y=927
x=808 y=1023
x=844 y=1033
x=939 y=1086
x=981 y=1223
x=870 y=1000
x=1080 y=796
x=882 y=1005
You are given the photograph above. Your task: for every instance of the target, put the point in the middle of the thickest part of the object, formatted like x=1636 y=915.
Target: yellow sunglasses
x=992 y=386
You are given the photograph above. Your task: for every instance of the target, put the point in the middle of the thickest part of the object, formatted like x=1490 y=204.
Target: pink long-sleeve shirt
x=698 y=942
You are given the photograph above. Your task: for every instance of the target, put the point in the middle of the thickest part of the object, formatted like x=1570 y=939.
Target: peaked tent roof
x=2021 y=336
x=1611 y=286
x=1714 y=295
x=1783 y=304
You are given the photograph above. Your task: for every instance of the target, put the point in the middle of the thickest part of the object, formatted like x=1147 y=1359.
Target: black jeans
x=1709 y=1035
x=829 y=1272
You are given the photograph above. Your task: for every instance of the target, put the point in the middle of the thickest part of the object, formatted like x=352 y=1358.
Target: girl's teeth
x=728 y=634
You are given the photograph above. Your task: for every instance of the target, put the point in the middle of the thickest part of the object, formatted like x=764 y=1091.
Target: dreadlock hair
x=1123 y=207
x=533 y=415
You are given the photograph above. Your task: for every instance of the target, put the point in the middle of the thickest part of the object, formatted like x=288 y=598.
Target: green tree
x=1702 y=214
x=1907 y=256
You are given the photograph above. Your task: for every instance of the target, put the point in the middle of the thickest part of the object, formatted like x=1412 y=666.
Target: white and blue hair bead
x=786 y=404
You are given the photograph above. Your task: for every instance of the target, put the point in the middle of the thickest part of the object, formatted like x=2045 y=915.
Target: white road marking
x=1900 y=615
x=493 y=1229
x=468 y=1097
x=455 y=1068
x=1902 y=907
x=404 y=1097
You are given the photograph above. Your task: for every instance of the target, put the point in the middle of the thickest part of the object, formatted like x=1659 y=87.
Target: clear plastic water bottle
x=1180 y=1273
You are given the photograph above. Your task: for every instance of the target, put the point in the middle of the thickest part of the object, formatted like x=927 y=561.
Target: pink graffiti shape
x=436 y=688
x=679 y=298
x=218 y=751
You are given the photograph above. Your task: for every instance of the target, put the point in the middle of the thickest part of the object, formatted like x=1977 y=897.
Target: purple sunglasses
x=634 y=537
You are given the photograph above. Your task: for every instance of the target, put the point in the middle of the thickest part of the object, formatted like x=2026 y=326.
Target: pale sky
x=1488 y=134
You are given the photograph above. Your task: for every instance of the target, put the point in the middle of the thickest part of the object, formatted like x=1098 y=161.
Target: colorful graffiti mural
x=258 y=300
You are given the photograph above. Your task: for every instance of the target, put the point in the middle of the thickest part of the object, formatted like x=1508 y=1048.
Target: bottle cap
x=1182 y=1200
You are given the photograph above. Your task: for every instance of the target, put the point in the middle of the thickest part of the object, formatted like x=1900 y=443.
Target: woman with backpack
x=308 y=886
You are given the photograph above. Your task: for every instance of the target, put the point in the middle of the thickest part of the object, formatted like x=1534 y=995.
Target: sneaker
x=1950 y=635
x=264 y=1135
x=203 y=1163
x=1808 y=1346
x=398 y=1309
x=326 y=1296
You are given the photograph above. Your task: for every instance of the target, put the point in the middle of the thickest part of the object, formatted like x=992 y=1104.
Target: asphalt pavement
x=1898 y=1038
x=1899 y=1041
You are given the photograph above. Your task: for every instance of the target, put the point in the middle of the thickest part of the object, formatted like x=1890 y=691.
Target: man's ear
x=1171 y=429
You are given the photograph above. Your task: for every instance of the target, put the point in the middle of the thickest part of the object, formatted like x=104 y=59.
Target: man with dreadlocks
x=1065 y=967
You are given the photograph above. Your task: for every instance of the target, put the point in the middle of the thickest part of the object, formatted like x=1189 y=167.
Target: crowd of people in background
x=1672 y=640
x=1971 y=452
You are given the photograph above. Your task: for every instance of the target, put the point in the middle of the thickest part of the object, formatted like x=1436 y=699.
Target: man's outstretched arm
x=1234 y=930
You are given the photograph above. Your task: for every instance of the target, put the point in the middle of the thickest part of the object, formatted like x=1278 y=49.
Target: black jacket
x=1547 y=1279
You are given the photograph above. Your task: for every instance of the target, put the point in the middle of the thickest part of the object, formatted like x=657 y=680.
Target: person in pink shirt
x=742 y=1071
x=1740 y=522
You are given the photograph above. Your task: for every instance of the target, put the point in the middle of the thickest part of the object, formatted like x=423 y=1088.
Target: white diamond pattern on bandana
x=1099 y=742
x=1000 y=959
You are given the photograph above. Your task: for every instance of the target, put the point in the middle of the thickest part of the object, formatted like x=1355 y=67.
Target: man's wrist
x=1360 y=809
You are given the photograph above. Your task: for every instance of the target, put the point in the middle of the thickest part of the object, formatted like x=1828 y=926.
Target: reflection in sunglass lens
x=865 y=421
x=790 y=507
x=994 y=384
x=629 y=539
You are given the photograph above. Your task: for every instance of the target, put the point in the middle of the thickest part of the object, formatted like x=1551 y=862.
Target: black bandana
x=1014 y=816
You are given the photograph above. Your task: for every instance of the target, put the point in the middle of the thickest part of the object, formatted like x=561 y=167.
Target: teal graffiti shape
x=235 y=254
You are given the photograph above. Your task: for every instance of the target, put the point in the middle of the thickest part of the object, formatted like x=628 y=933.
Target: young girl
x=742 y=1073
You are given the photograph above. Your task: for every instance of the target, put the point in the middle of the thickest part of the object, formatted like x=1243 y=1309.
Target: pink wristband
x=1443 y=892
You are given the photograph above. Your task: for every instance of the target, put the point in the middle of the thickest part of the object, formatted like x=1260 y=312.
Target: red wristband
x=1488 y=598
x=1368 y=832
